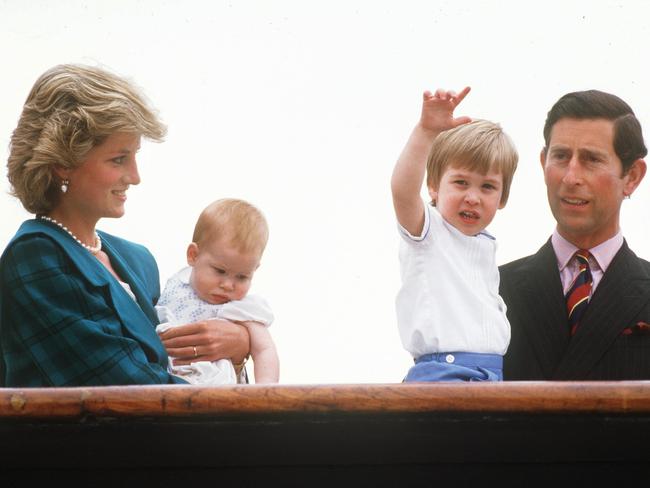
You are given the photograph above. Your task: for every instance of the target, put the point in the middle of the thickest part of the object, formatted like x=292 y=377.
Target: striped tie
x=577 y=298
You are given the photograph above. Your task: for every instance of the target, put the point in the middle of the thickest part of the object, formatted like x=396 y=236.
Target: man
x=592 y=160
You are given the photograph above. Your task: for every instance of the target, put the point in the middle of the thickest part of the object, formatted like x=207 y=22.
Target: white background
x=302 y=108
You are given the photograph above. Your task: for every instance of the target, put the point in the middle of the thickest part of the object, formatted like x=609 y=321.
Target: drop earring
x=64 y=185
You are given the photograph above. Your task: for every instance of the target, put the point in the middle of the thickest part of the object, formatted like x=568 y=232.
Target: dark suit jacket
x=613 y=340
x=66 y=321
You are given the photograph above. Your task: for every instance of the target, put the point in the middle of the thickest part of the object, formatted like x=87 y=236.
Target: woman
x=76 y=304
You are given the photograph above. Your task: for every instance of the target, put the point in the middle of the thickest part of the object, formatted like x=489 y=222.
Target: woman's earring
x=64 y=185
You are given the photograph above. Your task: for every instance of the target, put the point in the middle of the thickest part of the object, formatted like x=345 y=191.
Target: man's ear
x=542 y=157
x=192 y=253
x=633 y=177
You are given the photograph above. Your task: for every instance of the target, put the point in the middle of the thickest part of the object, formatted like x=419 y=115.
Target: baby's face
x=220 y=273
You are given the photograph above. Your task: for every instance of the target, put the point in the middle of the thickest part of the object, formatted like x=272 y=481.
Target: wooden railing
x=172 y=401
x=324 y=435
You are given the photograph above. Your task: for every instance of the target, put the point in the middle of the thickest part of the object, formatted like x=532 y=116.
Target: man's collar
x=603 y=253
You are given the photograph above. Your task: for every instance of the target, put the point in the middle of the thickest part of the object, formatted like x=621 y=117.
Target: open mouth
x=469 y=215
x=575 y=201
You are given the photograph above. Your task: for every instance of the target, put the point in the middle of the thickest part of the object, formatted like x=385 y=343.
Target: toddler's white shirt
x=449 y=300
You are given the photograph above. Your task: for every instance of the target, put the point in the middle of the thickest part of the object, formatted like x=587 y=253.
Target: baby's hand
x=438 y=110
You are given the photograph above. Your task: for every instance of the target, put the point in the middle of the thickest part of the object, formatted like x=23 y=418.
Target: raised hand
x=438 y=110
x=406 y=183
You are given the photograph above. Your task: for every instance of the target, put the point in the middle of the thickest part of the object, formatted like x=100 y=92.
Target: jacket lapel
x=542 y=312
x=130 y=313
x=133 y=315
x=623 y=291
x=93 y=270
x=127 y=273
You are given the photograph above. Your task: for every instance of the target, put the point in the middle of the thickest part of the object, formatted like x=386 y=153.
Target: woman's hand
x=208 y=340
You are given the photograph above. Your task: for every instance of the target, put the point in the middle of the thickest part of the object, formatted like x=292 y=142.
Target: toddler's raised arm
x=406 y=183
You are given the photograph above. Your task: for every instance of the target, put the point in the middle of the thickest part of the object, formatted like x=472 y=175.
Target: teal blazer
x=66 y=321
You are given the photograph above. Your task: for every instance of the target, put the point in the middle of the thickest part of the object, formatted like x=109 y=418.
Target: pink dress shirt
x=601 y=256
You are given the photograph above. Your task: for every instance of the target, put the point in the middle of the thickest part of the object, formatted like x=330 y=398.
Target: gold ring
x=195 y=353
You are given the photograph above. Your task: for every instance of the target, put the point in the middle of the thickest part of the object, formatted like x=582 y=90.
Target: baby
x=229 y=239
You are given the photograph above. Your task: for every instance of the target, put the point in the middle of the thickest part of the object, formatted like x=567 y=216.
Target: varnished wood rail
x=503 y=434
x=170 y=401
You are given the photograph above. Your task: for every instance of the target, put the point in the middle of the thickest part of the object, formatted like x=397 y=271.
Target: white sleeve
x=250 y=308
x=426 y=228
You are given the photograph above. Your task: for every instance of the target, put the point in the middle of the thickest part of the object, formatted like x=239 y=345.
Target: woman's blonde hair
x=480 y=146
x=69 y=110
x=240 y=223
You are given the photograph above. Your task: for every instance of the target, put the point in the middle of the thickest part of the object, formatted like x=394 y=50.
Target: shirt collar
x=602 y=254
x=486 y=234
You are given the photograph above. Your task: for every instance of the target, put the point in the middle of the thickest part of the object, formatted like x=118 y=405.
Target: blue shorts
x=456 y=366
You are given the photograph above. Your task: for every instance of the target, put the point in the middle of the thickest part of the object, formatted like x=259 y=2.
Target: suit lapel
x=543 y=313
x=623 y=291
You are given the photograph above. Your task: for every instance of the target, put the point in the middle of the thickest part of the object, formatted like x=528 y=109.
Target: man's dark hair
x=594 y=104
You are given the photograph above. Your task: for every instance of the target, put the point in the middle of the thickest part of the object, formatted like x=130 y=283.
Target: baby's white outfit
x=449 y=300
x=180 y=305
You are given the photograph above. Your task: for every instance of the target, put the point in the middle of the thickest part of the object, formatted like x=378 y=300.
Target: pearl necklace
x=92 y=249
